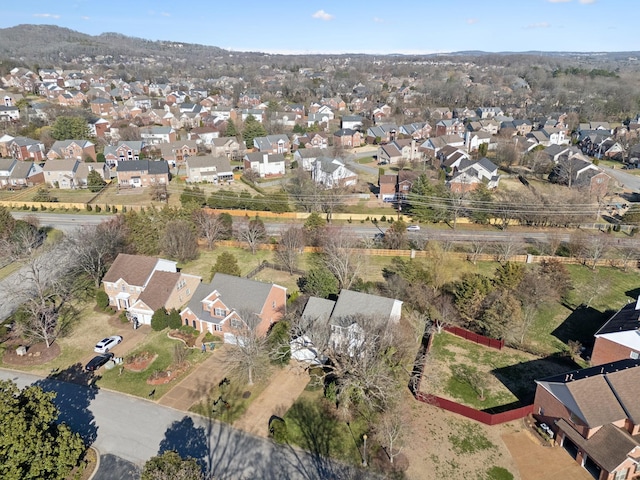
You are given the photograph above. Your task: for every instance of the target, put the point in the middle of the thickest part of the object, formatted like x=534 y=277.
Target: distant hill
x=52 y=44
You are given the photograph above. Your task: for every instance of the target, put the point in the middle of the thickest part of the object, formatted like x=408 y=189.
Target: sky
x=351 y=26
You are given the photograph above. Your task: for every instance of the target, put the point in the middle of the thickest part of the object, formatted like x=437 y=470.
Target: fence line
x=455 y=407
x=475 y=337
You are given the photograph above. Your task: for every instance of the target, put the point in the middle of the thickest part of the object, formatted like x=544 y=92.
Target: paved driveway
x=541 y=463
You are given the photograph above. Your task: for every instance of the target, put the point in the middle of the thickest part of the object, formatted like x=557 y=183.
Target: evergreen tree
x=252 y=129
x=95 y=182
x=232 y=130
x=70 y=128
x=33 y=444
x=226 y=263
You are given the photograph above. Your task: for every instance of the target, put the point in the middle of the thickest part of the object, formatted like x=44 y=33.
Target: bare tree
x=290 y=247
x=506 y=249
x=478 y=245
x=210 y=226
x=45 y=290
x=340 y=256
x=252 y=232
x=533 y=291
x=94 y=248
x=363 y=355
x=391 y=431
x=595 y=247
x=179 y=241
x=249 y=357
x=626 y=254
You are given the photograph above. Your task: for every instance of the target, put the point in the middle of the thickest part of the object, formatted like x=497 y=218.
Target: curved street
x=133 y=430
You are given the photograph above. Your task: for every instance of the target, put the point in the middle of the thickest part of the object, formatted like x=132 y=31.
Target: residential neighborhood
x=431 y=260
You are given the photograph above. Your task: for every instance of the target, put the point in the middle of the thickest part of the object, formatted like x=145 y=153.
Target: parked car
x=413 y=228
x=106 y=344
x=96 y=362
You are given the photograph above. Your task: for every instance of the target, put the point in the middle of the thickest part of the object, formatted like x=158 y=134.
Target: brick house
x=387 y=187
x=142 y=173
x=619 y=337
x=595 y=416
x=219 y=306
x=451 y=126
x=171 y=290
x=272 y=144
x=123 y=152
x=347 y=138
x=24 y=148
x=78 y=149
x=102 y=107
x=15 y=174
x=145 y=284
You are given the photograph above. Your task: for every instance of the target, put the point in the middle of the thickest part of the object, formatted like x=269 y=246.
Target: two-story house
x=347 y=138
x=209 y=169
x=142 y=173
x=77 y=149
x=265 y=165
x=123 y=152
x=156 y=135
x=595 y=416
x=272 y=144
x=619 y=337
x=223 y=305
x=15 y=174
x=451 y=126
x=148 y=283
x=332 y=173
x=69 y=173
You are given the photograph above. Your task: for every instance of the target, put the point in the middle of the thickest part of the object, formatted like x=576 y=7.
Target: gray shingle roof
x=154 y=167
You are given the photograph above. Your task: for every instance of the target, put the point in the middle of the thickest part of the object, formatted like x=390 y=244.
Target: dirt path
x=283 y=390
x=539 y=463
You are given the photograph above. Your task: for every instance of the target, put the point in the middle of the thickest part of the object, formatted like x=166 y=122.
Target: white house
x=331 y=173
x=265 y=165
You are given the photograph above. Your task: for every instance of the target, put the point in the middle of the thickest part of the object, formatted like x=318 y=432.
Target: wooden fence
x=472 y=413
x=476 y=338
x=481 y=416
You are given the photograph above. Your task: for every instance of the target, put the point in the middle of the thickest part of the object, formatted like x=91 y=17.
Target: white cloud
x=587 y=2
x=322 y=15
x=471 y=21
x=165 y=14
x=85 y=18
x=378 y=20
x=539 y=25
x=46 y=15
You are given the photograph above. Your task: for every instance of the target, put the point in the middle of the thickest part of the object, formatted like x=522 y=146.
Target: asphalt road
x=63 y=221
x=133 y=430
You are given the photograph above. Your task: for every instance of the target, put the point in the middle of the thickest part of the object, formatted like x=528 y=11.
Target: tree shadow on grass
x=520 y=378
x=73 y=402
x=581 y=325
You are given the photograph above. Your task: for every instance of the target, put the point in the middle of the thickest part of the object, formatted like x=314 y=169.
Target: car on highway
x=96 y=362
x=106 y=344
x=413 y=228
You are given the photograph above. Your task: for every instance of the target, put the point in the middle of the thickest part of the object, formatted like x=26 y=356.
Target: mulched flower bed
x=140 y=361
x=166 y=376
x=37 y=354
x=187 y=338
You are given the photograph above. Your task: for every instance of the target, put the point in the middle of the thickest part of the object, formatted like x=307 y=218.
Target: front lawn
x=135 y=383
x=312 y=423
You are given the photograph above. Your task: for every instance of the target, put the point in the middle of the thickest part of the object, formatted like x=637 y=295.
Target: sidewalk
x=195 y=386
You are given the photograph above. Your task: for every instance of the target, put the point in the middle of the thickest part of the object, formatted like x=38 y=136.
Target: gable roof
x=154 y=167
x=259 y=157
x=608 y=447
x=598 y=395
x=624 y=320
x=241 y=293
x=158 y=289
x=133 y=269
x=222 y=164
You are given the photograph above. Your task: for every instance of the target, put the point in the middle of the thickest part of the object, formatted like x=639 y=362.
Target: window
x=621 y=474
x=235 y=323
x=217 y=328
x=181 y=284
x=634 y=355
x=219 y=312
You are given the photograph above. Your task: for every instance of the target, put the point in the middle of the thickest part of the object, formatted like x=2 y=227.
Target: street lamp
x=364 y=457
